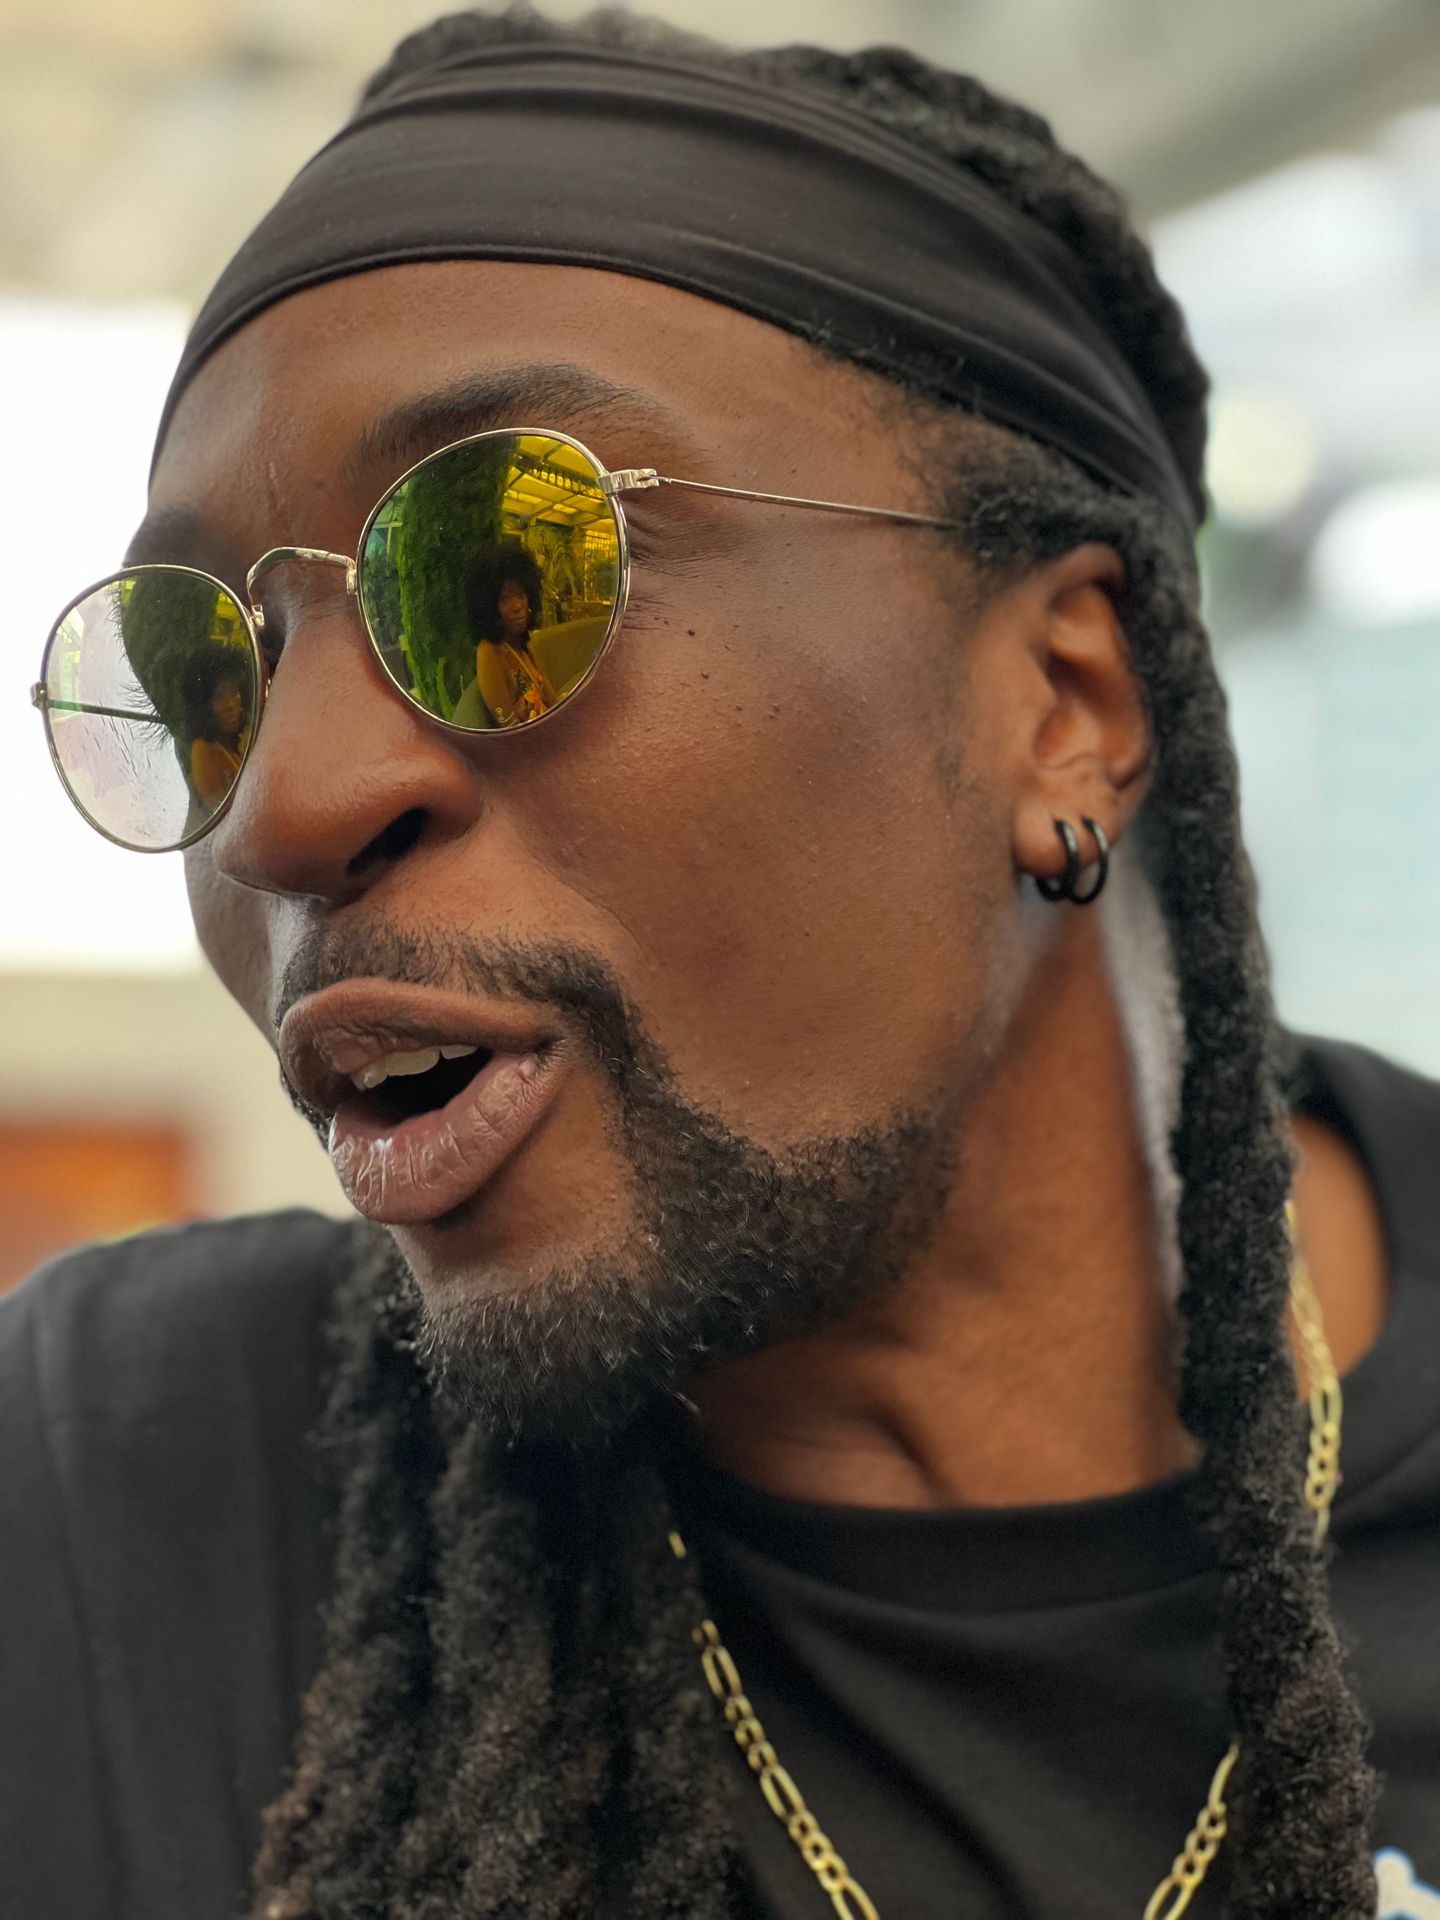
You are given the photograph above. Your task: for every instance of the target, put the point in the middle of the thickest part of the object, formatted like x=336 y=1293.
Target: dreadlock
x=510 y=1719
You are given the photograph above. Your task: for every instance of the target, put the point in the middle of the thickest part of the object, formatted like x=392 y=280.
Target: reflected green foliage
x=527 y=509
x=170 y=621
x=153 y=691
x=415 y=565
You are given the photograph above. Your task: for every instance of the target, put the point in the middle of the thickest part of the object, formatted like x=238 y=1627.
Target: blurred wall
x=139 y=141
x=170 y=1053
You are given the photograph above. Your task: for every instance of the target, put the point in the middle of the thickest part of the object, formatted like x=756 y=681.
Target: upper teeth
x=397 y=1064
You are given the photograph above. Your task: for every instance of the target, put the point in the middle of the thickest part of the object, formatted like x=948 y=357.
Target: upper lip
x=329 y=1035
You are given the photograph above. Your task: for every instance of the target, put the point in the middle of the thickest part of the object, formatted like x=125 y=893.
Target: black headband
x=801 y=211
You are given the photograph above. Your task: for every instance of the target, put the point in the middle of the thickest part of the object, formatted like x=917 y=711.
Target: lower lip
x=406 y=1173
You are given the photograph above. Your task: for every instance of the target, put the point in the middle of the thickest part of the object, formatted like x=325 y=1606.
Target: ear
x=1080 y=746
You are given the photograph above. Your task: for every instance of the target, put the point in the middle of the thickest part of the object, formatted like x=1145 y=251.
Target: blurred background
x=1285 y=159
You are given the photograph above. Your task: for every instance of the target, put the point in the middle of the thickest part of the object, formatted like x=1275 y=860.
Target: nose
x=345 y=778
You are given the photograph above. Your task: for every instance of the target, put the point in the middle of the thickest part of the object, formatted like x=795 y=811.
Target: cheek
x=757 y=808
x=231 y=927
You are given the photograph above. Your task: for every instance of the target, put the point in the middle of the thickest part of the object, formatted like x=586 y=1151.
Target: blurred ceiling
x=138 y=140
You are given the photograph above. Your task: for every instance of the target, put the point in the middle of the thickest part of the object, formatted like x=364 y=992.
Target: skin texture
x=806 y=862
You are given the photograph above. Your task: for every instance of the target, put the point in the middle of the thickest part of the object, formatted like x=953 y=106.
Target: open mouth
x=406 y=1094
x=420 y=1144
x=427 y=1094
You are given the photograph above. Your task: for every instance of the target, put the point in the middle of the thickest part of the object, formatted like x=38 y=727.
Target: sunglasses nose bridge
x=284 y=556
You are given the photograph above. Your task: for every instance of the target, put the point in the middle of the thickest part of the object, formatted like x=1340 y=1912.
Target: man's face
x=744 y=852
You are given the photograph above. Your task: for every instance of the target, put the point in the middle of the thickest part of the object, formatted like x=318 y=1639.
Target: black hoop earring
x=1093 y=892
x=1063 y=887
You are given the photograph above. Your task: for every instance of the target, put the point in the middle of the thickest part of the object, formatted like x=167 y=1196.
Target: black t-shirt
x=993 y=1713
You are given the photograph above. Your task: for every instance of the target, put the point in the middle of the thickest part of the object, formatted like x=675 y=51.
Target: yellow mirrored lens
x=152 y=690
x=489 y=579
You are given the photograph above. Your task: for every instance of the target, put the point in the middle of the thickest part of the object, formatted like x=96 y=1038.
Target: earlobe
x=1067 y=886
x=1088 y=749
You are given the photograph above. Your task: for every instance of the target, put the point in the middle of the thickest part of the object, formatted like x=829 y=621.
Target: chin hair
x=736 y=1250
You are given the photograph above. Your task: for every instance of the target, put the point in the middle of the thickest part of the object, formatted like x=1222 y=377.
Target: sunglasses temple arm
x=634 y=479
x=80 y=706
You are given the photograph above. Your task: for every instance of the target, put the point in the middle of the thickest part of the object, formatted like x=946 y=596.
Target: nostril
x=391 y=842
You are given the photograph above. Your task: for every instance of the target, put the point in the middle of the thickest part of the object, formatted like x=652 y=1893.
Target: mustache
x=570 y=981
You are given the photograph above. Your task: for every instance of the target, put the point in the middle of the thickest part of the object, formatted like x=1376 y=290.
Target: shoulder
x=157 y=1402
x=165 y=1522
x=1390 y=1114
x=1344 y=1070
x=140 y=1321
x=206 y=1341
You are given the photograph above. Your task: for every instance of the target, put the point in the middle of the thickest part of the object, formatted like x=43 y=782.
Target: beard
x=734 y=1248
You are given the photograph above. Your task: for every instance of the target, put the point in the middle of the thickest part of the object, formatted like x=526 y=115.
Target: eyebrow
x=174 y=534
x=559 y=395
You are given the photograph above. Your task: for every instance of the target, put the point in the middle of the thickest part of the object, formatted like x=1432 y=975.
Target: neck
x=1029 y=1355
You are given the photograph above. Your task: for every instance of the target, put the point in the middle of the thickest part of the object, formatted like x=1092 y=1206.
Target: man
x=813 y=1089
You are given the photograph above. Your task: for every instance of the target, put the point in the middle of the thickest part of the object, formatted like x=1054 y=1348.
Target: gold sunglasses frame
x=611 y=484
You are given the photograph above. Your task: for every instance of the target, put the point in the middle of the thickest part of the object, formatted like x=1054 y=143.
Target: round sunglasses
x=491 y=579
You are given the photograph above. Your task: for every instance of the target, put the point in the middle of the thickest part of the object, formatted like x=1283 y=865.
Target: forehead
x=646 y=374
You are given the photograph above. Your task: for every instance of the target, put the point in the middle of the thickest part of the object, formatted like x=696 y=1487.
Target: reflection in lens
x=489 y=579
x=152 y=690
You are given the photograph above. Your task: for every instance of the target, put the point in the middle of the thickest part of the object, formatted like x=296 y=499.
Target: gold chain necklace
x=1175 y=1892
